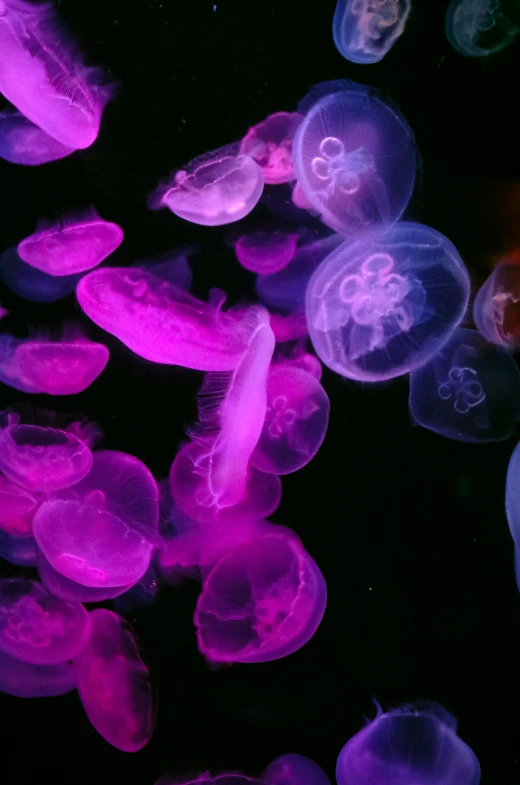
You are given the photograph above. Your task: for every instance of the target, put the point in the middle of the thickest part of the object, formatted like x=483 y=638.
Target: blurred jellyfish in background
x=477 y=28
x=411 y=744
x=469 y=391
x=365 y=30
x=289 y=327
x=513 y=505
x=172 y=266
x=496 y=310
x=383 y=306
x=19 y=550
x=266 y=252
x=269 y=143
x=32 y=284
x=24 y=680
x=354 y=156
x=294 y=769
x=22 y=142
x=17 y=508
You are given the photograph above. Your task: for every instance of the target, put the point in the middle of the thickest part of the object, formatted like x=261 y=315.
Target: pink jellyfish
x=266 y=252
x=269 y=143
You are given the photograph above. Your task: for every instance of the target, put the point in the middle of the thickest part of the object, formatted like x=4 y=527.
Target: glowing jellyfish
x=381 y=307
x=269 y=143
x=289 y=327
x=261 y=602
x=354 y=157
x=17 y=508
x=496 y=310
x=21 y=551
x=294 y=770
x=101 y=532
x=469 y=391
x=365 y=30
x=298 y=357
x=161 y=322
x=38 y=628
x=22 y=142
x=477 y=28
x=408 y=745
x=296 y=421
x=67 y=589
x=266 y=252
x=32 y=284
x=41 y=75
x=217 y=188
x=113 y=684
x=24 y=680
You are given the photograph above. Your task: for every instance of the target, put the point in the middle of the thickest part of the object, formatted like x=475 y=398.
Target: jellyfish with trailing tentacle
x=22 y=142
x=269 y=143
x=496 y=310
x=365 y=30
x=31 y=284
x=477 y=28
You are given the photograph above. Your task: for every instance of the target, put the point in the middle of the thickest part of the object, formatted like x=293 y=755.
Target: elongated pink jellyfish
x=269 y=143
x=17 y=508
x=261 y=602
x=113 y=684
x=266 y=252
x=101 y=532
x=24 y=680
x=22 y=142
x=67 y=589
x=71 y=246
x=38 y=628
x=41 y=74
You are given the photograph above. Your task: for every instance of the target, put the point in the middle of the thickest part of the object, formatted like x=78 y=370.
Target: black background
x=408 y=528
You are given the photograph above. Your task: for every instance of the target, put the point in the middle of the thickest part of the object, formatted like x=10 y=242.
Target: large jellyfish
x=364 y=30
x=269 y=143
x=477 y=28
x=31 y=284
x=22 y=142
x=496 y=310
x=383 y=306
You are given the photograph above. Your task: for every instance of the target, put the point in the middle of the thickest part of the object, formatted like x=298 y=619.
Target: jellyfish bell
x=365 y=30
x=496 y=310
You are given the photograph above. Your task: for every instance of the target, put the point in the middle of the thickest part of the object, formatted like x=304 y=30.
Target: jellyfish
x=513 y=500
x=365 y=30
x=298 y=357
x=294 y=770
x=261 y=602
x=354 y=157
x=114 y=683
x=496 y=310
x=24 y=680
x=269 y=143
x=410 y=744
x=40 y=74
x=19 y=550
x=101 y=531
x=217 y=188
x=17 y=508
x=296 y=421
x=32 y=284
x=469 y=390
x=289 y=327
x=477 y=28
x=22 y=142
x=66 y=589
x=266 y=252
x=383 y=306
x=172 y=266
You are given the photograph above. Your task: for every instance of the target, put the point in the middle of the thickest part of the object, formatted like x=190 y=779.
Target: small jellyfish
x=21 y=551
x=217 y=188
x=269 y=143
x=113 y=684
x=354 y=157
x=365 y=30
x=32 y=284
x=266 y=252
x=411 y=744
x=17 y=508
x=41 y=75
x=296 y=421
x=496 y=310
x=469 y=391
x=477 y=28
x=38 y=628
x=22 y=142
x=294 y=770
x=261 y=602
x=383 y=306
x=24 y=680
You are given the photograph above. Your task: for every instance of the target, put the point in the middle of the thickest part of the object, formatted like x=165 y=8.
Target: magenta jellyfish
x=354 y=157
x=217 y=188
x=22 y=142
x=365 y=30
x=66 y=589
x=41 y=75
x=32 y=284
x=411 y=744
x=289 y=327
x=266 y=252
x=496 y=310
x=477 y=28
x=269 y=143
x=294 y=769
x=114 y=684
x=17 y=508
x=24 y=680
x=383 y=306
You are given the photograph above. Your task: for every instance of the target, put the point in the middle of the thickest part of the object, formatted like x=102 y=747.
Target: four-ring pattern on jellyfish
x=463 y=387
x=340 y=169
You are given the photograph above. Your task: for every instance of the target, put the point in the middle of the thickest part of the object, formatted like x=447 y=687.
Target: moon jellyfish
x=365 y=30
x=354 y=158
x=294 y=770
x=476 y=28
x=17 y=508
x=32 y=284
x=383 y=306
x=496 y=309
x=21 y=551
x=41 y=75
x=38 y=628
x=296 y=421
x=266 y=252
x=269 y=143
x=113 y=684
x=22 y=142
x=469 y=391
x=217 y=188
x=408 y=744
x=261 y=602
x=24 y=680
x=67 y=589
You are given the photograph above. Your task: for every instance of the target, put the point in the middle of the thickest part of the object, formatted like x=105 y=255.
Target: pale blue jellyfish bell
x=365 y=30
x=476 y=28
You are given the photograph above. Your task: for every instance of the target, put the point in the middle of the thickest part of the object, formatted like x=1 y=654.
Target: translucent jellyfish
x=298 y=357
x=217 y=188
x=41 y=75
x=477 y=28
x=32 y=284
x=38 y=628
x=21 y=551
x=101 y=532
x=269 y=143
x=263 y=601
x=411 y=744
x=17 y=508
x=296 y=421
x=469 y=391
x=266 y=252
x=22 y=142
x=289 y=327
x=113 y=684
x=172 y=266
x=354 y=158
x=67 y=589
x=383 y=306
x=294 y=770
x=24 y=680
x=496 y=310
x=159 y=321
x=364 y=30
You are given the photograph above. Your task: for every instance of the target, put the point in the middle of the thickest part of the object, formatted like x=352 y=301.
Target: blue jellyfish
x=477 y=28
x=364 y=30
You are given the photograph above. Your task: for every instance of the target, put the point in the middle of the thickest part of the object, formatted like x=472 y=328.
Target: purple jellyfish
x=24 y=680
x=365 y=30
x=266 y=252
x=269 y=143
x=294 y=770
x=22 y=142
x=32 y=284
x=17 y=508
